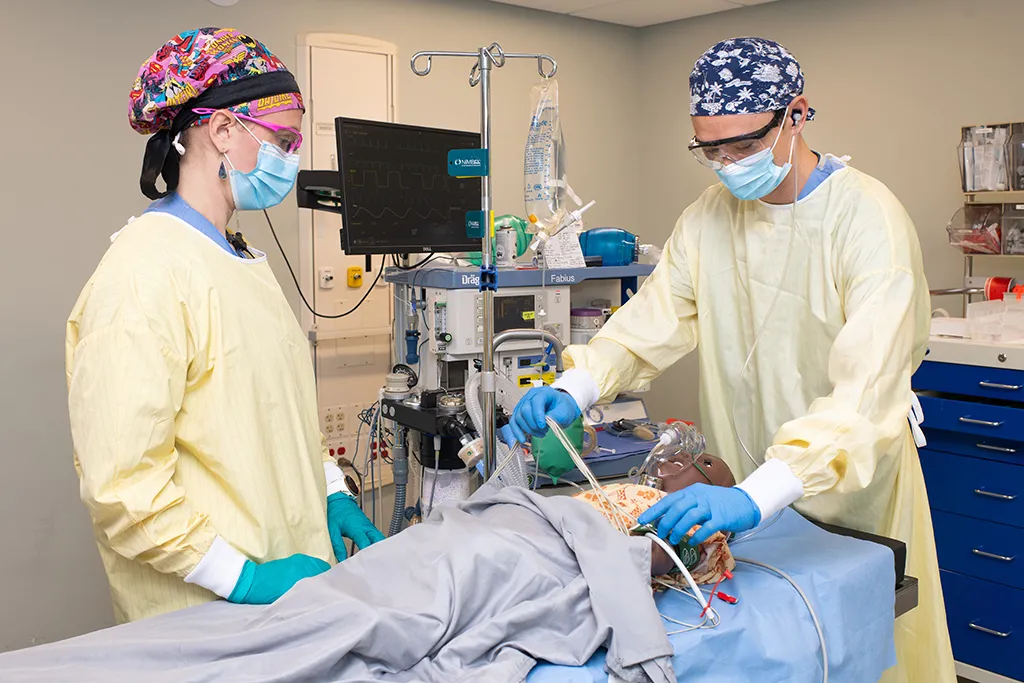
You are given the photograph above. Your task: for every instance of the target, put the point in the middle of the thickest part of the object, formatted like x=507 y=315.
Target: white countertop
x=970 y=352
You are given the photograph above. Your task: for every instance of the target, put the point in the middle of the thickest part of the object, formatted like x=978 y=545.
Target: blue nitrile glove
x=528 y=418
x=715 y=508
x=262 y=584
x=505 y=434
x=346 y=520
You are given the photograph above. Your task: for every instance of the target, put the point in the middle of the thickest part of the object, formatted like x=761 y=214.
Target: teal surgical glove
x=715 y=508
x=529 y=416
x=346 y=520
x=262 y=584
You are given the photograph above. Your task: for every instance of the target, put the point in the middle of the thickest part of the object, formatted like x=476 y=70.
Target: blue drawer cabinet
x=969 y=380
x=990 y=551
x=972 y=487
x=988 y=448
x=986 y=624
x=974 y=471
x=977 y=418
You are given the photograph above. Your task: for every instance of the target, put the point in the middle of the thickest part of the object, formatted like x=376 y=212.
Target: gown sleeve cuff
x=219 y=569
x=772 y=487
x=580 y=385
x=335 y=479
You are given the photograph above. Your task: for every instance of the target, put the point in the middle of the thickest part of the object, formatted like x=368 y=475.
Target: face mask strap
x=251 y=134
x=778 y=136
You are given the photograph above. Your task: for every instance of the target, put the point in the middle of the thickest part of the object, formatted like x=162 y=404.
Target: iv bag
x=544 y=186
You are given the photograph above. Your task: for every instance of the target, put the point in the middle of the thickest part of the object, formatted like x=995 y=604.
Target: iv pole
x=486 y=58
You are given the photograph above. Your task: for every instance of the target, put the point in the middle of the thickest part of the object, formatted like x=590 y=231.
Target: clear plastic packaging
x=652 y=252
x=1013 y=229
x=1017 y=158
x=977 y=229
x=1012 y=331
x=985 y=320
x=544 y=184
x=984 y=152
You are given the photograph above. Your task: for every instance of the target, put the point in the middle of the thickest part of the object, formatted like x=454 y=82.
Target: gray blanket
x=479 y=592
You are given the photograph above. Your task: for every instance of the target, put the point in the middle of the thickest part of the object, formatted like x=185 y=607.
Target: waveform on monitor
x=400 y=216
x=387 y=179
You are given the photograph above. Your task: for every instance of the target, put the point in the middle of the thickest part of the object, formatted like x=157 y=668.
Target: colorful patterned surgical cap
x=192 y=63
x=211 y=68
x=745 y=76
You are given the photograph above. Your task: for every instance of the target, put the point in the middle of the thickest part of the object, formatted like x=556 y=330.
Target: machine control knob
x=444 y=337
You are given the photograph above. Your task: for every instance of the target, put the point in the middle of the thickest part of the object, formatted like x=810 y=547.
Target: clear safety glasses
x=285 y=137
x=718 y=153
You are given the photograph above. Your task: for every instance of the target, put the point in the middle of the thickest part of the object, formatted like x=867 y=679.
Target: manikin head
x=676 y=473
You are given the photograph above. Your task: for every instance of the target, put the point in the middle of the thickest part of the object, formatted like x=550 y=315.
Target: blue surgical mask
x=757 y=175
x=269 y=183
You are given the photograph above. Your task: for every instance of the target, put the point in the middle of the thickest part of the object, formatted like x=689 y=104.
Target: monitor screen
x=513 y=312
x=397 y=195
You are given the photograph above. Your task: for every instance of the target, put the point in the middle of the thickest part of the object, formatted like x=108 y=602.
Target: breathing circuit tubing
x=505 y=454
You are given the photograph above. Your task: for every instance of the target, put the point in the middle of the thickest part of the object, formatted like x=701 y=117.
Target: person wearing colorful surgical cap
x=799 y=281
x=191 y=393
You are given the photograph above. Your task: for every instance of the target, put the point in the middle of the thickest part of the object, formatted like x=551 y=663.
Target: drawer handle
x=1000 y=496
x=1008 y=387
x=993 y=556
x=997 y=449
x=989 y=631
x=983 y=423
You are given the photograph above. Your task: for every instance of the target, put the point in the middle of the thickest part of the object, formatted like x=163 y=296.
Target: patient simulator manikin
x=710 y=559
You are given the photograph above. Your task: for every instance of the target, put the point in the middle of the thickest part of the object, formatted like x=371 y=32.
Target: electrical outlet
x=344 y=447
x=334 y=420
x=341 y=448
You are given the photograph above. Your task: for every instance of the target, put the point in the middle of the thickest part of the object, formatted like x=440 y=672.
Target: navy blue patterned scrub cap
x=745 y=76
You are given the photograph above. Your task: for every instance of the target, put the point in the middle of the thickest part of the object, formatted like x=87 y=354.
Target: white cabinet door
x=353 y=353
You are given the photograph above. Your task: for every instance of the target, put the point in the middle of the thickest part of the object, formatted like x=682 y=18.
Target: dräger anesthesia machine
x=398 y=195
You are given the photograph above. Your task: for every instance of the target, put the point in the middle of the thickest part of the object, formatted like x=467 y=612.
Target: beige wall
x=70 y=179
x=889 y=79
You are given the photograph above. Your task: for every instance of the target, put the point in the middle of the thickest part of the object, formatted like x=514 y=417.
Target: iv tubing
x=771 y=520
x=771 y=307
